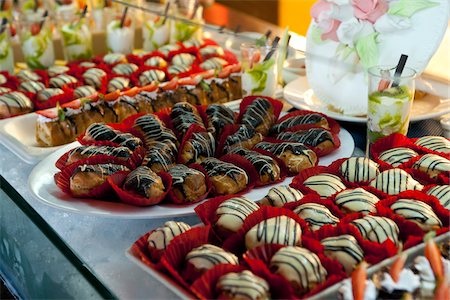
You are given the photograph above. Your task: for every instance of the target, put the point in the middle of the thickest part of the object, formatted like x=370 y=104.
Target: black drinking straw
x=196 y=5
x=44 y=16
x=83 y=14
x=399 y=69
x=268 y=33
x=166 y=11
x=273 y=48
x=287 y=45
x=124 y=15
x=4 y=22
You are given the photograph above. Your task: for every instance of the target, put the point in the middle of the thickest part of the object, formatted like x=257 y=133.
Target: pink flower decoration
x=320 y=12
x=318 y=8
x=370 y=10
x=330 y=32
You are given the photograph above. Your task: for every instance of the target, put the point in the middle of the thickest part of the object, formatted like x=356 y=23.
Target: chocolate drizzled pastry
x=198 y=147
x=231 y=214
x=45 y=94
x=308 y=119
x=160 y=155
x=244 y=137
x=324 y=184
x=433 y=165
x=162 y=236
x=14 y=103
x=83 y=152
x=153 y=129
x=187 y=183
x=442 y=193
x=118 y=83
x=225 y=177
x=357 y=169
x=316 y=215
x=280 y=195
x=397 y=156
x=314 y=137
x=378 y=229
x=144 y=182
x=345 y=249
x=102 y=132
x=218 y=117
x=259 y=115
x=356 y=200
x=62 y=80
x=435 y=143
x=184 y=115
x=418 y=212
x=243 y=285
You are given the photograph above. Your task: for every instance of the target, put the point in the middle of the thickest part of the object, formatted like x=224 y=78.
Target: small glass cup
x=155 y=31
x=259 y=70
x=76 y=37
x=390 y=100
x=37 y=42
x=182 y=31
x=6 y=51
x=120 y=39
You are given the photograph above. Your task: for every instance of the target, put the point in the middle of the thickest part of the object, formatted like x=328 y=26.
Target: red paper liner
x=313 y=198
x=52 y=101
x=173 y=259
x=283 y=169
x=424 y=177
x=116 y=181
x=236 y=242
x=194 y=128
x=245 y=165
x=246 y=101
x=174 y=199
x=44 y=76
x=62 y=179
x=227 y=130
x=426 y=150
x=297 y=181
x=149 y=256
x=135 y=59
x=12 y=81
x=334 y=126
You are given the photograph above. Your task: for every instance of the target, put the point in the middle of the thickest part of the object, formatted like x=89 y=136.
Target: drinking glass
x=190 y=10
x=120 y=35
x=6 y=51
x=390 y=101
x=259 y=70
x=155 y=30
x=76 y=37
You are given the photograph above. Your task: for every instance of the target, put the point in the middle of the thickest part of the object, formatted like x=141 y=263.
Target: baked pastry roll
x=345 y=249
x=160 y=156
x=150 y=76
x=243 y=285
x=433 y=165
x=324 y=184
x=378 y=229
x=31 y=86
x=225 y=177
x=57 y=70
x=395 y=181
x=245 y=137
x=161 y=237
x=218 y=91
x=358 y=169
x=156 y=61
x=14 y=103
x=84 y=91
x=187 y=184
x=267 y=168
x=277 y=230
x=101 y=132
x=218 y=117
x=319 y=138
x=295 y=156
x=45 y=94
x=278 y=196
x=114 y=58
x=125 y=69
x=316 y=215
x=295 y=120
x=86 y=178
x=153 y=129
x=397 y=156
x=199 y=146
x=94 y=77
x=118 y=83
x=259 y=115
x=418 y=212
x=184 y=115
x=205 y=257
x=83 y=152
x=144 y=182
x=435 y=143
x=191 y=94
x=183 y=59
x=214 y=63
x=62 y=80
x=442 y=193
x=231 y=214
x=356 y=200
x=301 y=267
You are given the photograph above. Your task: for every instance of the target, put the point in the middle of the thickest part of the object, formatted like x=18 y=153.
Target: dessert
x=319 y=138
x=278 y=196
x=155 y=33
x=301 y=267
x=324 y=184
x=295 y=156
x=168 y=48
x=244 y=137
x=156 y=61
x=114 y=58
x=211 y=50
x=277 y=230
x=433 y=165
x=149 y=76
x=183 y=59
x=94 y=77
x=397 y=156
x=62 y=80
x=395 y=181
x=218 y=116
x=77 y=40
x=260 y=115
x=267 y=168
x=225 y=177
x=359 y=169
x=442 y=193
x=125 y=69
x=101 y=132
x=295 y=120
x=84 y=91
x=232 y=212
x=83 y=152
x=214 y=63
x=184 y=115
x=153 y=129
x=435 y=143
x=6 y=50
x=14 y=103
x=37 y=44
x=144 y=182
x=31 y=86
x=356 y=200
x=345 y=249
x=378 y=229
x=199 y=146
x=57 y=70
x=177 y=69
x=118 y=83
x=187 y=184
x=161 y=237
x=418 y=212
x=160 y=155
x=243 y=285
x=316 y=215
x=45 y=94
x=120 y=36
x=28 y=75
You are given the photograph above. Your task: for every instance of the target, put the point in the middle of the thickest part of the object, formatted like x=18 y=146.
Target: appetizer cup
x=390 y=102
x=259 y=70
x=120 y=34
x=155 y=32
x=6 y=51
x=37 y=42
x=186 y=30
x=76 y=37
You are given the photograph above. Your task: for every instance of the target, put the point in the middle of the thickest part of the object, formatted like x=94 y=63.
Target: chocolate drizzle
x=308 y=119
x=397 y=156
x=200 y=145
x=264 y=164
x=88 y=151
x=207 y=256
x=257 y=113
x=243 y=134
x=357 y=169
x=311 y=137
x=435 y=143
x=243 y=285
x=357 y=200
x=416 y=211
x=84 y=91
x=103 y=170
x=15 y=99
x=62 y=80
x=324 y=184
x=280 y=195
x=280 y=148
x=184 y=115
x=180 y=172
x=118 y=83
x=218 y=117
x=160 y=153
x=345 y=249
x=316 y=215
x=149 y=76
x=125 y=69
x=215 y=167
x=433 y=165
x=277 y=230
x=141 y=180
x=153 y=129
x=442 y=193
x=378 y=229
x=232 y=212
x=162 y=236
x=102 y=132
x=394 y=181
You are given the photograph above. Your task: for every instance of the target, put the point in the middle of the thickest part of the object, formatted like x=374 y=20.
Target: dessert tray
x=299 y=94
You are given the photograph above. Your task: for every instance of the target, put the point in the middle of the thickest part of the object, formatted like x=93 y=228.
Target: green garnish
x=205 y=86
x=259 y=74
x=61 y=114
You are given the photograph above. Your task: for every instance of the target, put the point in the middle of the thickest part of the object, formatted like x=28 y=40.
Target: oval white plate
x=300 y=95
x=44 y=189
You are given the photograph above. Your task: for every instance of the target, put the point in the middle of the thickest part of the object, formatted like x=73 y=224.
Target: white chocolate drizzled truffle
x=356 y=200
x=113 y=58
x=156 y=61
x=183 y=59
x=243 y=285
x=418 y=212
x=433 y=165
x=125 y=69
x=232 y=212
x=324 y=184
x=207 y=256
x=280 y=195
x=377 y=229
x=214 y=63
x=345 y=249
x=395 y=181
x=162 y=236
x=442 y=193
x=397 y=156
x=301 y=267
x=316 y=215
x=435 y=143
x=211 y=50
x=357 y=169
x=278 y=230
